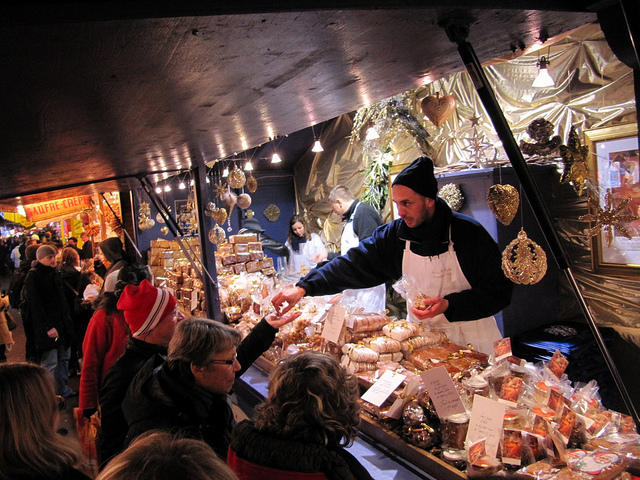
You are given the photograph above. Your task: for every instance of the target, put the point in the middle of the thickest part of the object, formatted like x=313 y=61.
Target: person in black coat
x=310 y=415
x=189 y=393
x=48 y=314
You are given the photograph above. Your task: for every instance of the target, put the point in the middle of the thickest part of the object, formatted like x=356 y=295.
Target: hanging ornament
x=252 y=183
x=217 y=235
x=145 y=210
x=272 y=213
x=229 y=200
x=523 y=261
x=145 y=223
x=451 y=194
x=574 y=157
x=164 y=230
x=438 y=109
x=541 y=130
x=236 y=177
x=219 y=189
x=244 y=201
x=609 y=218
x=503 y=201
x=477 y=145
x=159 y=218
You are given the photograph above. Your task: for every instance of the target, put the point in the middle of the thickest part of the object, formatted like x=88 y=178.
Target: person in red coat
x=106 y=338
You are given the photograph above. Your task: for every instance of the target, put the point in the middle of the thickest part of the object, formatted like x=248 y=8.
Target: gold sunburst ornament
x=252 y=183
x=272 y=213
x=523 y=261
x=609 y=218
x=236 y=177
x=220 y=189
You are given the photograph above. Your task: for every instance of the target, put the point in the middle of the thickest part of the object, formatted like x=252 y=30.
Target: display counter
x=383 y=454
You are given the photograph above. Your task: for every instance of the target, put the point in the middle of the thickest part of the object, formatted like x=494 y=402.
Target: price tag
x=333 y=323
x=486 y=421
x=384 y=386
x=194 y=300
x=442 y=392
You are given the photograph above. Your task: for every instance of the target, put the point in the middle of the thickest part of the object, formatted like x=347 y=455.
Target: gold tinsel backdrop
x=593 y=89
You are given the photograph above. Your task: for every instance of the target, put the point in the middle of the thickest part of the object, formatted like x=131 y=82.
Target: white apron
x=374 y=299
x=441 y=275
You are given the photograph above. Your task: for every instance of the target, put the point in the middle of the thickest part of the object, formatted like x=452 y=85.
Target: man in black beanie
x=448 y=259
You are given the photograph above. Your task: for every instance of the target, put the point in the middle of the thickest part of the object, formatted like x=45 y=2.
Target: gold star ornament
x=609 y=218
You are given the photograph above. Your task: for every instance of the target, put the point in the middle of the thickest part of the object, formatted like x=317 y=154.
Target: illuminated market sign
x=57 y=208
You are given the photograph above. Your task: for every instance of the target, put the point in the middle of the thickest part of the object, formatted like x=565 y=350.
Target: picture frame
x=614 y=163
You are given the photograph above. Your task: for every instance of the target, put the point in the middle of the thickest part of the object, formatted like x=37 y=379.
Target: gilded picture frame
x=614 y=163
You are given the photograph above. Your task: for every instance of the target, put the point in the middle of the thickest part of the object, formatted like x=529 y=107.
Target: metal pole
x=458 y=33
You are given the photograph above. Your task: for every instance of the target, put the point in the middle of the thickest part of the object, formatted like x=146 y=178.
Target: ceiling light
x=182 y=186
x=158 y=190
x=225 y=172
x=248 y=167
x=317 y=147
x=276 y=158
x=372 y=134
x=543 y=79
x=167 y=188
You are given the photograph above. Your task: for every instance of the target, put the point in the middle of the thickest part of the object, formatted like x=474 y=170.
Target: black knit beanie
x=419 y=177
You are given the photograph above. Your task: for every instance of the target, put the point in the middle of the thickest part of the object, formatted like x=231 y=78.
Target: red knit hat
x=144 y=306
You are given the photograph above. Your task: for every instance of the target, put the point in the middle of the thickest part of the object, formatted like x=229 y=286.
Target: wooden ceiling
x=97 y=93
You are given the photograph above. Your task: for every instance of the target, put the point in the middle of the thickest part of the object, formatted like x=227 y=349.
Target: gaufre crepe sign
x=56 y=208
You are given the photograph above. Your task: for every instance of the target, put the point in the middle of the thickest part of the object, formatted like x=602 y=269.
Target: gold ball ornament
x=159 y=218
x=503 y=200
x=217 y=235
x=244 y=201
x=145 y=223
x=452 y=194
x=252 y=184
x=524 y=261
x=236 y=178
x=164 y=230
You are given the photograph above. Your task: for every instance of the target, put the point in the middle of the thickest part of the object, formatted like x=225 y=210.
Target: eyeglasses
x=224 y=362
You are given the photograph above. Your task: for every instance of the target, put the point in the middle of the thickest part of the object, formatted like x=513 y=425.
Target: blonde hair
x=312 y=400
x=163 y=456
x=340 y=192
x=28 y=418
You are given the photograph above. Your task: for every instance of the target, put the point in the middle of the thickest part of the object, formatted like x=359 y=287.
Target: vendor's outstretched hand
x=287 y=298
x=434 y=306
x=276 y=322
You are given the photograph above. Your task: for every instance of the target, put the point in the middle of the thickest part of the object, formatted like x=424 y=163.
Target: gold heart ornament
x=438 y=109
x=503 y=201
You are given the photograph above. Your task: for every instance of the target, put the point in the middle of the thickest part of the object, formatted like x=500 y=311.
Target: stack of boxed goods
x=171 y=270
x=244 y=272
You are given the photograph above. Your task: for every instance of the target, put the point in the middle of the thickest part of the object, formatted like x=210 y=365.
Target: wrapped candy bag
x=407 y=287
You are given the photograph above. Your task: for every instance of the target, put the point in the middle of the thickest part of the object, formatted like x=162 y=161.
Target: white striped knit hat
x=144 y=306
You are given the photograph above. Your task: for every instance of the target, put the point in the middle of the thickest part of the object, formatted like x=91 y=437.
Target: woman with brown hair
x=29 y=416
x=300 y=431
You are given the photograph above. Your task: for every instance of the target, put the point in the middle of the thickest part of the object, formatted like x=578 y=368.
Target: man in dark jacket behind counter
x=449 y=257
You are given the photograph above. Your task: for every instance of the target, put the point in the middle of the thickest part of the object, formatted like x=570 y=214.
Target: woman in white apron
x=374 y=299
x=441 y=275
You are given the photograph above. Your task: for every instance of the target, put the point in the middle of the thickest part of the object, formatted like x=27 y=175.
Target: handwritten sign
x=442 y=391
x=333 y=323
x=487 y=417
x=384 y=386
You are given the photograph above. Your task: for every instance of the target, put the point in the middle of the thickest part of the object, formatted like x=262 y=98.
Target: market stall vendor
x=453 y=259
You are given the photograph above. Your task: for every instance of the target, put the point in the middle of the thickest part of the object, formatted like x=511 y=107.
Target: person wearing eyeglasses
x=189 y=392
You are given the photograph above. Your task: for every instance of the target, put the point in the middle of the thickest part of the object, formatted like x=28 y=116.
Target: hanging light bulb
x=182 y=186
x=317 y=147
x=225 y=172
x=372 y=134
x=158 y=190
x=167 y=188
x=248 y=167
x=276 y=158
x=543 y=79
